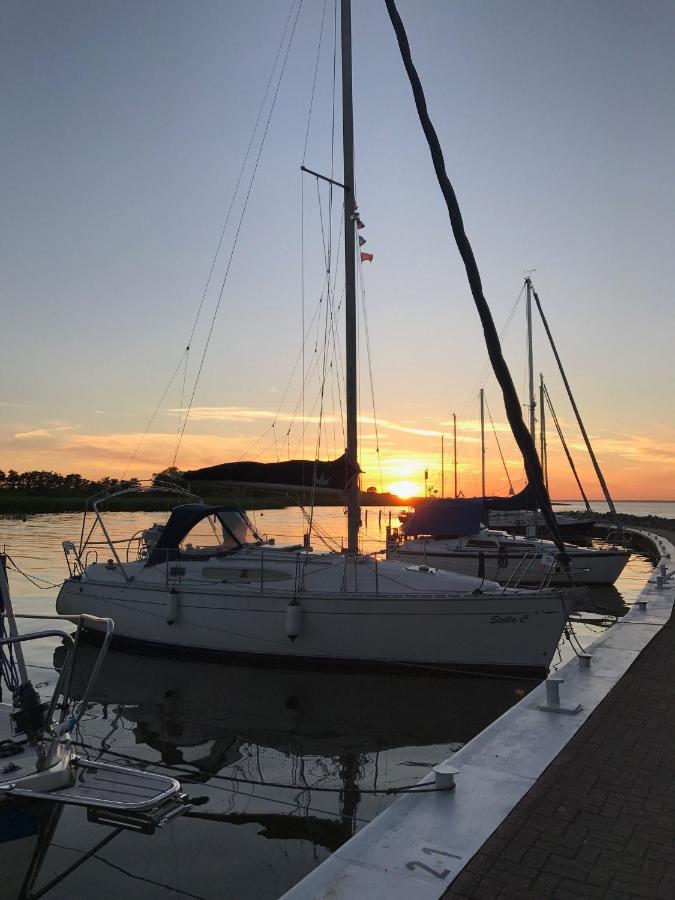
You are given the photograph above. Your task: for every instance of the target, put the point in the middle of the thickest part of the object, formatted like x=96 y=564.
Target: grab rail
x=65 y=725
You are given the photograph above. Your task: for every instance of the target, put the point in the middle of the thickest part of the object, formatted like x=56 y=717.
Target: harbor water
x=281 y=767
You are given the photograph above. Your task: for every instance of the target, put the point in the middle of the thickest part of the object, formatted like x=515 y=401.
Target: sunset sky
x=125 y=126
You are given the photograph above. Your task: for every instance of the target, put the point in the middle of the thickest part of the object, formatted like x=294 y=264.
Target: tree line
x=40 y=481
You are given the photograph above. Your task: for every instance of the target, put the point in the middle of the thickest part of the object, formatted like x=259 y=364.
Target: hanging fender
x=293 y=619
x=172 y=602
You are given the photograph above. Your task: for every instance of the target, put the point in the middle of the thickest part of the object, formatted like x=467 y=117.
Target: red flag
x=366 y=257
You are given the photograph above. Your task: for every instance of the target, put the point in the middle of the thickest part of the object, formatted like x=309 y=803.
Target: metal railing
x=62 y=688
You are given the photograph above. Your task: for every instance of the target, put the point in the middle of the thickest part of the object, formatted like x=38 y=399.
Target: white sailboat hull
x=586 y=566
x=399 y=625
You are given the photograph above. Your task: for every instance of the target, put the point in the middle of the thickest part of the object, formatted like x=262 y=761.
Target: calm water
x=663 y=508
x=282 y=766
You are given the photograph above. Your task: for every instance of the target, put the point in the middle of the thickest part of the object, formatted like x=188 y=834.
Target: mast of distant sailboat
x=530 y=362
x=454 y=442
x=482 y=441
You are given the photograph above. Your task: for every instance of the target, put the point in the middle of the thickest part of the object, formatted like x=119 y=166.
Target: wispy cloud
x=251 y=414
x=45 y=432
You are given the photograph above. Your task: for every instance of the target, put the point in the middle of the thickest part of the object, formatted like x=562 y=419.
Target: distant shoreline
x=24 y=503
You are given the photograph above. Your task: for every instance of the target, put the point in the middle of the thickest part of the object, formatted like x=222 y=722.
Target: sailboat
x=515 y=513
x=450 y=534
x=435 y=535
x=233 y=593
x=443 y=533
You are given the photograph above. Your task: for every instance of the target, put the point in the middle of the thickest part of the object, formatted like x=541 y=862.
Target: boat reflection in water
x=26 y=830
x=347 y=734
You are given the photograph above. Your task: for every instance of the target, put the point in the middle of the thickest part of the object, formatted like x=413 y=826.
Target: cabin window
x=227 y=530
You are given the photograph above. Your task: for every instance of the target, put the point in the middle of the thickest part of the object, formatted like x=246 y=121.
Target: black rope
x=565 y=448
x=511 y=402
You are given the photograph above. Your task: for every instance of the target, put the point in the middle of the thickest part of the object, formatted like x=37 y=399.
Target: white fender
x=293 y=619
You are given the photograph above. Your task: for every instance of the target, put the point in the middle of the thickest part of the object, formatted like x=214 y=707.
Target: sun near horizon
x=405 y=489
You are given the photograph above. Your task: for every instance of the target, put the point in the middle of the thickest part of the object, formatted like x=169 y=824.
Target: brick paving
x=600 y=822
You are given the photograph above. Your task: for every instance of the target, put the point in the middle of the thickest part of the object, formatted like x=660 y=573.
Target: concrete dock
x=570 y=794
x=600 y=822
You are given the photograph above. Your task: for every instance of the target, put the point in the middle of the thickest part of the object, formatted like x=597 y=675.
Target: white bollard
x=553 y=691
x=553 y=704
x=444 y=774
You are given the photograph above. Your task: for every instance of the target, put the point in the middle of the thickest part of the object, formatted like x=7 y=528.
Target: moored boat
x=236 y=595
x=448 y=534
x=241 y=596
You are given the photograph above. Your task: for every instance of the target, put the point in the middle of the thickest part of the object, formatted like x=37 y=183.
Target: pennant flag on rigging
x=359 y=224
x=366 y=257
x=362 y=241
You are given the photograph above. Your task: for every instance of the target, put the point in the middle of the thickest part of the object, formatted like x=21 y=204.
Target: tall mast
x=442 y=466
x=543 y=456
x=482 y=440
x=454 y=448
x=530 y=363
x=353 y=499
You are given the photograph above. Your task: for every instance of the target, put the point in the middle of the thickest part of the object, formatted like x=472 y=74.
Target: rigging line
x=314 y=365
x=322 y=392
x=370 y=370
x=494 y=431
x=238 y=231
x=182 y=390
x=566 y=449
x=337 y=349
x=482 y=376
x=326 y=250
x=584 y=433
x=152 y=417
x=244 y=164
x=222 y=234
x=288 y=384
x=243 y=167
x=316 y=69
x=481 y=380
x=302 y=213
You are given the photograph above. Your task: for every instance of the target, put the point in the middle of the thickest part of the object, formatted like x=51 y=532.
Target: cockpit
x=197 y=531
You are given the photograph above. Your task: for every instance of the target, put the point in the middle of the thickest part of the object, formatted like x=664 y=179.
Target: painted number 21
x=430 y=851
